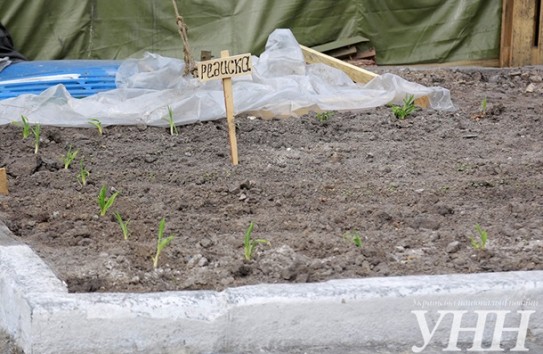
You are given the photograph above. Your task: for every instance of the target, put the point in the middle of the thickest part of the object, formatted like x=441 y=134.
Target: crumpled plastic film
x=4 y=63
x=281 y=85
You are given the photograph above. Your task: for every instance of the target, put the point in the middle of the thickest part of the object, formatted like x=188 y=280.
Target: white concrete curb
x=342 y=316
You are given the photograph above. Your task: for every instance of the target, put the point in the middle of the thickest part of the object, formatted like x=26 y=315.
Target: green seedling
x=83 y=174
x=401 y=112
x=123 y=224
x=171 y=123
x=105 y=203
x=479 y=244
x=37 y=133
x=25 y=125
x=354 y=237
x=69 y=157
x=249 y=244
x=323 y=117
x=483 y=105
x=161 y=242
x=97 y=124
x=482 y=110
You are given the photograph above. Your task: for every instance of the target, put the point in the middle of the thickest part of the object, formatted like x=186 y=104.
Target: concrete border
x=371 y=315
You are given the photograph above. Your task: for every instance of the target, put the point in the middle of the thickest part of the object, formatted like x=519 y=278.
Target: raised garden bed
x=413 y=190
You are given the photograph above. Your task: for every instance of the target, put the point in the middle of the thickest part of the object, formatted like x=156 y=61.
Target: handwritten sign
x=225 y=67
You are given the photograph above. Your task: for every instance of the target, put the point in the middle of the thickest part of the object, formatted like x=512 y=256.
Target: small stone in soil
x=203 y=262
x=206 y=242
x=194 y=260
x=150 y=158
x=453 y=247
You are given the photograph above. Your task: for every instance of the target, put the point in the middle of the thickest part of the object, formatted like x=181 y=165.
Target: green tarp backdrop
x=402 y=31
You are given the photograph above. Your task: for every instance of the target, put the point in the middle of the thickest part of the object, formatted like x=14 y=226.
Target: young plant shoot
x=323 y=117
x=479 y=244
x=37 y=133
x=171 y=122
x=105 y=203
x=354 y=237
x=161 y=242
x=69 y=157
x=249 y=244
x=83 y=174
x=123 y=224
x=483 y=105
x=97 y=124
x=25 y=125
x=401 y=112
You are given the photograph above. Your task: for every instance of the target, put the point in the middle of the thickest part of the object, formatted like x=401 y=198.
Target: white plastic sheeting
x=4 y=62
x=281 y=85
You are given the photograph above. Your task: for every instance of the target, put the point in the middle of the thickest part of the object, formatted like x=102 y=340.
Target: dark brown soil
x=413 y=189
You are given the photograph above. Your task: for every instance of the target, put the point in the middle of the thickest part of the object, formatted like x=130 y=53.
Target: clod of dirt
x=453 y=247
x=283 y=263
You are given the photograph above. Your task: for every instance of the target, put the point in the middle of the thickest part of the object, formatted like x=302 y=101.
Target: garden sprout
x=69 y=157
x=83 y=174
x=26 y=126
x=161 y=242
x=479 y=244
x=105 y=203
x=354 y=237
x=249 y=244
x=37 y=133
x=171 y=123
x=97 y=124
x=483 y=105
x=123 y=224
x=324 y=116
x=401 y=112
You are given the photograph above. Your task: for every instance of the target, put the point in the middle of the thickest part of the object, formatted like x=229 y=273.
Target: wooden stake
x=3 y=182
x=229 y=104
x=225 y=68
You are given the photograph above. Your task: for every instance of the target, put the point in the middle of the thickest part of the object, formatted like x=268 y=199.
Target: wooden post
x=225 y=68
x=3 y=182
x=521 y=40
x=229 y=104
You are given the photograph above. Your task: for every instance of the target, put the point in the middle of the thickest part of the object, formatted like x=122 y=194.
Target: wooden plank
x=521 y=26
x=340 y=43
x=481 y=62
x=355 y=73
x=3 y=182
x=366 y=54
x=523 y=32
x=537 y=51
x=229 y=104
x=343 y=52
x=506 y=33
